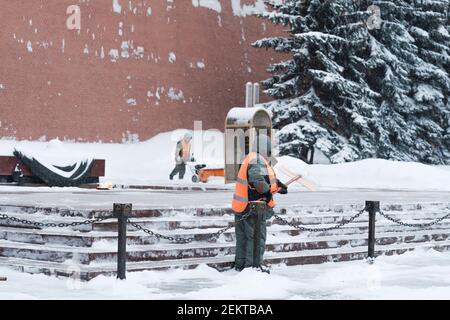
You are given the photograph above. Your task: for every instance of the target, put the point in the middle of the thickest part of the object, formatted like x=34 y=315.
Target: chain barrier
x=215 y=235
x=221 y=231
x=53 y=224
x=185 y=240
x=413 y=225
x=160 y=236
x=338 y=226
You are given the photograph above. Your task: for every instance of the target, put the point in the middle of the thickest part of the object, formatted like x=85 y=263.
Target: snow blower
x=200 y=172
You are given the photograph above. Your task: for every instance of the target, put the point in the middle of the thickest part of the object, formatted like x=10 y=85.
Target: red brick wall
x=67 y=88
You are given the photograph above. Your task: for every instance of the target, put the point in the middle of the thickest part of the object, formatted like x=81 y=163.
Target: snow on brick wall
x=135 y=67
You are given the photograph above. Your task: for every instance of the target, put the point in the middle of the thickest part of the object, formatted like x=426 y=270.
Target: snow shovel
x=297 y=178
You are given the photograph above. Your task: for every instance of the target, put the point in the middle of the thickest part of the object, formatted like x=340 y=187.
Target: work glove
x=268 y=196
x=283 y=189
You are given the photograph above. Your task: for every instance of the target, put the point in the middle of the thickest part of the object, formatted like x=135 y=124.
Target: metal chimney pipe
x=249 y=95
x=255 y=93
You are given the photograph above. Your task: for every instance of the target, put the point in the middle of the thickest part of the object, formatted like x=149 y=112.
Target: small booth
x=242 y=127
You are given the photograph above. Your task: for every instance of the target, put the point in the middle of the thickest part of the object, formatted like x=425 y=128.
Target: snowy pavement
x=415 y=275
x=92 y=199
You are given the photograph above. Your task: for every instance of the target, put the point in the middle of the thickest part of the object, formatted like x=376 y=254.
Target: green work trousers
x=245 y=239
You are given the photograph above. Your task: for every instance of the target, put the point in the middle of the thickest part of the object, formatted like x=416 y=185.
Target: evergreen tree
x=409 y=57
x=355 y=91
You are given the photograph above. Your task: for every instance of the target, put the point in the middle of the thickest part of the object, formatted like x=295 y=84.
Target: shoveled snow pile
x=418 y=274
x=370 y=174
x=382 y=174
x=150 y=162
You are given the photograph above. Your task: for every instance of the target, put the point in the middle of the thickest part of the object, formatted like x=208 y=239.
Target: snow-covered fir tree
x=357 y=86
x=411 y=55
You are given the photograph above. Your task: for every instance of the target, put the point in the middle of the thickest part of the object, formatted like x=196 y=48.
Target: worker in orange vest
x=256 y=181
x=182 y=155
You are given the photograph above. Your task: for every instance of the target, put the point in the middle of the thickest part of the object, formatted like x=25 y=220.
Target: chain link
x=413 y=225
x=338 y=226
x=53 y=224
x=185 y=240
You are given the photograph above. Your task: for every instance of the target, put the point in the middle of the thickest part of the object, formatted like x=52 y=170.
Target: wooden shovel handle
x=307 y=184
x=294 y=179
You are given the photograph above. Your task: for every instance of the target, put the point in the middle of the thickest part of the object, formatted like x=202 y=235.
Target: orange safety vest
x=185 y=149
x=240 y=199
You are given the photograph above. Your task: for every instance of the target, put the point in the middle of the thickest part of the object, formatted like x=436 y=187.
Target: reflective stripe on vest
x=240 y=198
x=241 y=181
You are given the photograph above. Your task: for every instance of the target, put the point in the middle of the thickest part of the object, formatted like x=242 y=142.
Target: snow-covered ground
x=150 y=162
x=419 y=274
x=415 y=275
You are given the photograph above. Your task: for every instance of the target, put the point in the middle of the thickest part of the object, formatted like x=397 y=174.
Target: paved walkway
x=151 y=199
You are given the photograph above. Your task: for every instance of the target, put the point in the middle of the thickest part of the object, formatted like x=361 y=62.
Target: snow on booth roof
x=255 y=116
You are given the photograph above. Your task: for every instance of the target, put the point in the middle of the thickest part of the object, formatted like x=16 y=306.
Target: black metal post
x=372 y=208
x=122 y=211
x=257 y=212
